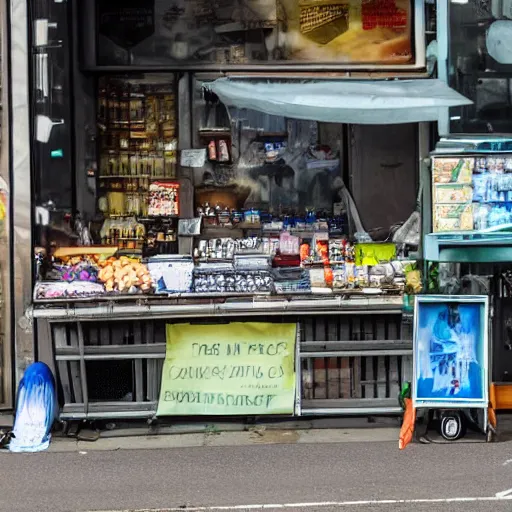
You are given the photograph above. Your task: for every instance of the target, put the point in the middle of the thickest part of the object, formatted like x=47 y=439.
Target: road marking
x=501 y=496
x=507 y=462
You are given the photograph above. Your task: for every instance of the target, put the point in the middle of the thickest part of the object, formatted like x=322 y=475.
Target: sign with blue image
x=451 y=351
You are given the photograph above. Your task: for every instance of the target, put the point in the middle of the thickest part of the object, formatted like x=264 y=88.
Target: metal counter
x=353 y=354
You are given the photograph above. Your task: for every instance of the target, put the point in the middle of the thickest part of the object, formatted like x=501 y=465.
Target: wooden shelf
x=215 y=133
x=139 y=177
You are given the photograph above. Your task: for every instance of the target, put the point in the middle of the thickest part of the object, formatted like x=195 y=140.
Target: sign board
x=451 y=353
x=228 y=369
x=338 y=33
x=193 y=158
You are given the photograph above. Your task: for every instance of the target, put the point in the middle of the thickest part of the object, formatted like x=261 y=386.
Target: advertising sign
x=228 y=369
x=248 y=32
x=451 y=351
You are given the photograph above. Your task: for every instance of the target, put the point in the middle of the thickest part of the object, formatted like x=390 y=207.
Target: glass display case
x=472 y=192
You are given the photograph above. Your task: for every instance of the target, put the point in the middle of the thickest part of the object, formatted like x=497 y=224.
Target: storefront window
x=239 y=32
x=480 y=66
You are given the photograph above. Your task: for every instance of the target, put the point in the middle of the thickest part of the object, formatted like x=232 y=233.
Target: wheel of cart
x=452 y=424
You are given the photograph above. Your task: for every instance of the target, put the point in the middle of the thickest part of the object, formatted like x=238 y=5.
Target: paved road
x=264 y=474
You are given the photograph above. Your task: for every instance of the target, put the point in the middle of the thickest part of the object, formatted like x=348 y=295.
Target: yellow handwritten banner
x=230 y=369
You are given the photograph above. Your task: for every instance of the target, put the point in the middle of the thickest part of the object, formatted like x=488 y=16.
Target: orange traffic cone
x=407 y=430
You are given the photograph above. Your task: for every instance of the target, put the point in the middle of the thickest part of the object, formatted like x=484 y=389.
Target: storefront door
x=383 y=167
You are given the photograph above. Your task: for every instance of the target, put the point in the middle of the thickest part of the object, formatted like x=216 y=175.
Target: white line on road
x=501 y=496
x=504 y=494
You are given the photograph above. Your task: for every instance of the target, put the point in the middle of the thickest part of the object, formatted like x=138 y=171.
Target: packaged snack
x=362 y=278
x=304 y=252
x=481 y=165
x=223 y=151
x=212 y=151
x=453 y=170
x=288 y=244
x=459 y=193
x=328 y=276
x=339 y=277
x=350 y=273
x=480 y=185
x=322 y=251
x=317 y=278
x=336 y=250
x=491 y=165
x=453 y=217
x=376 y=281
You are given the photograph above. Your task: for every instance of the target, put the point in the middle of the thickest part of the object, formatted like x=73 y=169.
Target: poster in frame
x=256 y=34
x=451 y=351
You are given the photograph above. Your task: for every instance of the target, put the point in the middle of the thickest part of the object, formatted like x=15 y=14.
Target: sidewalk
x=256 y=436
x=182 y=434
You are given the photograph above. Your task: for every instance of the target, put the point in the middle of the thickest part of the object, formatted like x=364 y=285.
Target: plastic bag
x=36 y=410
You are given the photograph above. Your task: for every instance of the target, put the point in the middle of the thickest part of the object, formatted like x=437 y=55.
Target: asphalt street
x=318 y=477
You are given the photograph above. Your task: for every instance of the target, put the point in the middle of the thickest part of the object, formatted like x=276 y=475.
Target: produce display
x=125 y=275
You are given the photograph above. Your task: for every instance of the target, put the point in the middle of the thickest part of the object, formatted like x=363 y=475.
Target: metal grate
x=347 y=364
x=354 y=363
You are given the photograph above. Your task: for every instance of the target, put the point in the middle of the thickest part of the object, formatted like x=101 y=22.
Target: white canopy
x=343 y=101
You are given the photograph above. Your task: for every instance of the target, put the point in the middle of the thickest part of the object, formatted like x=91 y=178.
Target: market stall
x=254 y=221
x=211 y=201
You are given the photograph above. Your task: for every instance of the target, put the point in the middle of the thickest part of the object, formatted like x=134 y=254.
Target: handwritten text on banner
x=230 y=369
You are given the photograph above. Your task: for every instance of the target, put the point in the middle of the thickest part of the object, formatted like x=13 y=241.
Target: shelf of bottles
x=138 y=156
x=137 y=122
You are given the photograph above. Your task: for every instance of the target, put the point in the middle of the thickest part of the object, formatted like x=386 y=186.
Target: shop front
x=186 y=220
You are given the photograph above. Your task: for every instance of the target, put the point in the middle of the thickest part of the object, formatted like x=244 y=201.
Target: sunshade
x=343 y=101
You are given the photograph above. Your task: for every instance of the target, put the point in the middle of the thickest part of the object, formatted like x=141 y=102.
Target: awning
x=343 y=101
